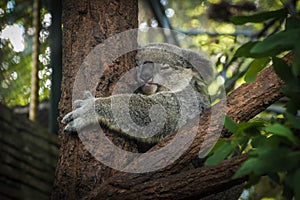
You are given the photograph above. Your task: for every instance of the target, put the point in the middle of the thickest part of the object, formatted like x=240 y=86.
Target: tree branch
x=242 y=104
x=196 y=183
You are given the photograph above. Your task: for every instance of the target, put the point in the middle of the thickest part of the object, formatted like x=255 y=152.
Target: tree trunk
x=86 y=24
x=34 y=93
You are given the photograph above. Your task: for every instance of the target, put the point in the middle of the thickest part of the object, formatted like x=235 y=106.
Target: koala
x=172 y=89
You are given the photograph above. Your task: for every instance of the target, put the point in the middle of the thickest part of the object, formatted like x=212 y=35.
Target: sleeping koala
x=171 y=92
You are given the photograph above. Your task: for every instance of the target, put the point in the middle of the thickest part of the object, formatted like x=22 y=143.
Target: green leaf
x=269 y=161
x=280 y=130
x=292 y=90
x=296 y=58
x=279 y=42
x=275 y=177
x=292 y=106
x=218 y=144
x=220 y=154
x=230 y=124
x=244 y=50
x=258 y=141
x=297 y=184
x=259 y=17
x=247 y=168
x=255 y=67
x=292 y=23
x=295 y=121
x=282 y=69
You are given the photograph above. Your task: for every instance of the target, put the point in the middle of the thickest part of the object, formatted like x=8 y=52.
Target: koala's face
x=156 y=77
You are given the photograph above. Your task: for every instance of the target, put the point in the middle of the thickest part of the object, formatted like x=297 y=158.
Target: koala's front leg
x=83 y=115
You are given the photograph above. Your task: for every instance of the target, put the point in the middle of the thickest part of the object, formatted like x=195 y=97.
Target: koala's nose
x=146 y=76
x=147 y=72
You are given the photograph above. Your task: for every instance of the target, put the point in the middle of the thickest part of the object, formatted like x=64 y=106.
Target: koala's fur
x=185 y=72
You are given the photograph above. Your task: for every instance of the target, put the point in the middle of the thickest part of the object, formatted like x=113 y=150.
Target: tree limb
x=196 y=183
x=242 y=104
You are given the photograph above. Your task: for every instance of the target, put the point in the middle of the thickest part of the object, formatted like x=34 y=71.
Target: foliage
x=273 y=146
x=15 y=68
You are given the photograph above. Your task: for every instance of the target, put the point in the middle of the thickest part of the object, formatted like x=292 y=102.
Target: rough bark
x=243 y=104
x=86 y=24
x=192 y=184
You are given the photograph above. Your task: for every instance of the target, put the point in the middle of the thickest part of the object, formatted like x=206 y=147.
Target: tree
x=86 y=24
x=80 y=176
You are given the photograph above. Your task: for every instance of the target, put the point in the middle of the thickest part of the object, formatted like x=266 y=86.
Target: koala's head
x=156 y=77
x=164 y=67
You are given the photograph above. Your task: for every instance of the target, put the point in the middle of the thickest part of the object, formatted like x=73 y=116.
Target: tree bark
x=192 y=184
x=243 y=104
x=86 y=24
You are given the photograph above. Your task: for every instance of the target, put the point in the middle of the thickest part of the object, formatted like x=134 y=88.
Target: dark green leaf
x=255 y=67
x=292 y=23
x=230 y=124
x=280 y=130
x=258 y=141
x=296 y=59
x=292 y=106
x=218 y=144
x=292 y=90
x=244 y=50
x=259 y=17
x=247 y=168
x=279 y=42
x=220 y=154
x=294 y=120
x=297 y=184
x=274 y=160
x=275 y=177
x=282 y=69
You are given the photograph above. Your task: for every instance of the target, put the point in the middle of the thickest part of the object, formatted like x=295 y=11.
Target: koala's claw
x=76 y=125
x=87 y=95
x=70 y=127
x=78 y=103
x=81 y=115
x=67 y=118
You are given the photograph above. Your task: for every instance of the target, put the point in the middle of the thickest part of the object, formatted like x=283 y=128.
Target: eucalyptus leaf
x=297 y=184
x=244 y=50
x=282 y=69
x=259 y=17
x=230 y=124
x=247 y=168
x=279 y=42
x=296 y=60
x=220 y=154
x=294 y=120
x=278 y=129
x=292 y=23
x=255 y=67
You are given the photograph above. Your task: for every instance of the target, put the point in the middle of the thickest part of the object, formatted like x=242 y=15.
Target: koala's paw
x=83 y=115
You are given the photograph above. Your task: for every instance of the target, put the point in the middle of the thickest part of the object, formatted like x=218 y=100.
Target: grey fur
x=182 y=95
